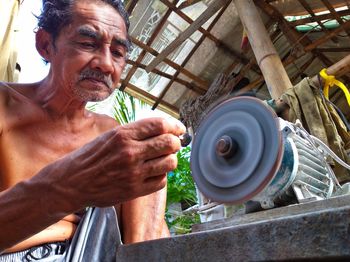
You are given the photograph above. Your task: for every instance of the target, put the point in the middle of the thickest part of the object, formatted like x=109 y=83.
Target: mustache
x=98 y=75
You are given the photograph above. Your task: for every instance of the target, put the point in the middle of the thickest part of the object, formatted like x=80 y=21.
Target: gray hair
x=56 y=14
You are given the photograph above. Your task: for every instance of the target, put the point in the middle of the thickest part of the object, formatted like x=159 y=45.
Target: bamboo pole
x=339 y=69
x=270 y=64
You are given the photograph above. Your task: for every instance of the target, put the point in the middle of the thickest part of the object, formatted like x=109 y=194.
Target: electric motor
x=242 y=151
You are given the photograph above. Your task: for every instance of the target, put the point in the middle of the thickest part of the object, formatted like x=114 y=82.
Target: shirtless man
x=56 y=158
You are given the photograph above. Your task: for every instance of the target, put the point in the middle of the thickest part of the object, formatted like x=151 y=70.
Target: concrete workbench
x=318 y=230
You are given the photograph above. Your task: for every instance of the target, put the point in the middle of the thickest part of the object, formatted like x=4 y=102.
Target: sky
x=33 y=68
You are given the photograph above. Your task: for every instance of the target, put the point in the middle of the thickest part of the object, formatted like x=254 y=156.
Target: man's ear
x=44 y=44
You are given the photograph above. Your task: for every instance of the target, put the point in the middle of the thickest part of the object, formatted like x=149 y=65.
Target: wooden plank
x=275 y=75
x=208 y=13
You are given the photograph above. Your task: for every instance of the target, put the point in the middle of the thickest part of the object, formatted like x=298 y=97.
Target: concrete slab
x=311 y=231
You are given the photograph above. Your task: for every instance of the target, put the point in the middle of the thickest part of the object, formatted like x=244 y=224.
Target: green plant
x=124 y=107
x=181 y=189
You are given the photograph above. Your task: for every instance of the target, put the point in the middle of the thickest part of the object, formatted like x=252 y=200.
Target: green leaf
x=181 y=189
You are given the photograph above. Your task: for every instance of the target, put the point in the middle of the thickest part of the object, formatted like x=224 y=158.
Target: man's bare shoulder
x=4 y=93
x=13 y=96
x=4 y=101
x=104 y=122
x=16 y=91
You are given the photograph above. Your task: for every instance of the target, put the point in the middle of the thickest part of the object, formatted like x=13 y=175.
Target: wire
x=340 y=113
x=330 y=152
x=311 y=139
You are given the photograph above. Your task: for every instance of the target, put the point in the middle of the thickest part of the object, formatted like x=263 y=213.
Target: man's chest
x=26 y=149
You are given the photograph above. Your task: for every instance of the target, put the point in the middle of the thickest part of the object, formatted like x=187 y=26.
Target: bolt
x=226 y=147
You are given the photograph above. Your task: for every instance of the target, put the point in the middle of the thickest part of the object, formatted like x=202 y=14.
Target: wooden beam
x=149 y=42
x=200 y=41
x=250 y=86
x=191 y=86
x=303 y=68
x=188 y=3
x=311 y=12
x=230 y=68
x=339 y=69
x=147 y=97
x=219 y=43
x=328 y=36
x=208 y=13
x=202 y=83
x=335 y=49
x=243 y=72
x=131 y=6
x=306 y=44
x=328 y=16
x=246 y=68
x=300 y=13
x=291 y=35
x=335 y=14
x=266 y=55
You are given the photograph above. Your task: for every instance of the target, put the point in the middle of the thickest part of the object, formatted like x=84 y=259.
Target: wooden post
x=270 y=64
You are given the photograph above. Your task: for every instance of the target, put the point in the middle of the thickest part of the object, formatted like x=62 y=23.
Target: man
x=56 y=158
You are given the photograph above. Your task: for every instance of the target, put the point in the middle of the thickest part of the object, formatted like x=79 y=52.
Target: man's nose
x=103 y=61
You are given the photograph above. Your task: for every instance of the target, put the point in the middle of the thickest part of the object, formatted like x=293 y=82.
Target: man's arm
x=143 y=218
x=122 y=164
x=28 y=208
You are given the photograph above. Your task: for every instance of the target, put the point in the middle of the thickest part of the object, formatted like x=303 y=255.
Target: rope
x=331 y=81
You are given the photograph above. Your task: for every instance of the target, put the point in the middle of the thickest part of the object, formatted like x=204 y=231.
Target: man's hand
x=127 y=162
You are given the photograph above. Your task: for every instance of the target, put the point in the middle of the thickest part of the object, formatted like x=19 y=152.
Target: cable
x=330 y=152
x=311 y=140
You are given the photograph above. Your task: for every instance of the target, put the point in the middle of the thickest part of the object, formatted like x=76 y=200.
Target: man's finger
x=160 y=165
x=155 y=183
x=161 y=145
x=150 y=127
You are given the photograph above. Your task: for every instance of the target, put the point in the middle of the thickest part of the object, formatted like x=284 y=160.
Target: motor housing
x=242 y=151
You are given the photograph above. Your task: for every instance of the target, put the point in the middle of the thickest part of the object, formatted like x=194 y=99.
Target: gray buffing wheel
x=236 y=150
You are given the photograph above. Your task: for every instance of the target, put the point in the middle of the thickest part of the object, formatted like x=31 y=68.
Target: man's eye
x=117 y=53
x=87 y=44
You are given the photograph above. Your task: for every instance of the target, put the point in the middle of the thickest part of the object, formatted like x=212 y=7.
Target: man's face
x=90 y=52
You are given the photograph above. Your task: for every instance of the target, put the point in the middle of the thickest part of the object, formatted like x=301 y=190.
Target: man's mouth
x=97 y=81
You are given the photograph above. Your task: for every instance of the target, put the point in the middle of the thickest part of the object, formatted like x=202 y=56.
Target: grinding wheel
x=236 y=150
